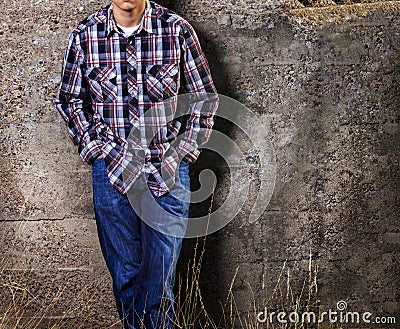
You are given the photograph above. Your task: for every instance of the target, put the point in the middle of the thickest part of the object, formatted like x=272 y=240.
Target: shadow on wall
x=211 y=276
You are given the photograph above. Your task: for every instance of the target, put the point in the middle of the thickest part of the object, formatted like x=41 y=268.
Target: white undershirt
x=128 y=30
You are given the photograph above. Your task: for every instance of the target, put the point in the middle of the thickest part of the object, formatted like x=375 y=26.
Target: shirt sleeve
x=74 y=104
x=203 y=99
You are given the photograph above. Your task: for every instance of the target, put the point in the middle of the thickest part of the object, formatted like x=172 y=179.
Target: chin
x=127 y=3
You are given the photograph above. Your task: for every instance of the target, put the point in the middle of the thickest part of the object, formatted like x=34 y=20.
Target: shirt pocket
x=162 y=81
x=103 y=83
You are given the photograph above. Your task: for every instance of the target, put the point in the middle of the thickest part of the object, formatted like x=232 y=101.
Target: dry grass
x=24 y=310
x=317 y=17
x=191 y=311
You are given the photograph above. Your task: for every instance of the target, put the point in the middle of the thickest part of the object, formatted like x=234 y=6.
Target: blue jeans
x=141 y=260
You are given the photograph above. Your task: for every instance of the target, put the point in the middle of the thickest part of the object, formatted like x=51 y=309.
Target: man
x=122 y=71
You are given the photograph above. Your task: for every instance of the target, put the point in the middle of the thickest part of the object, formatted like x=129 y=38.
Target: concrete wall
x=325 y=82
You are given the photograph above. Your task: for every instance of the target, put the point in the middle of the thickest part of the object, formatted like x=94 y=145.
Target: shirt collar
x=146 y=23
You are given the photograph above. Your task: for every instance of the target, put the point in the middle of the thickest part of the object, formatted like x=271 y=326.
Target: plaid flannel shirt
x=118 y=96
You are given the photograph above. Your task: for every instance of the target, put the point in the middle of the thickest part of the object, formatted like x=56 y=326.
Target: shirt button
x=136 y=122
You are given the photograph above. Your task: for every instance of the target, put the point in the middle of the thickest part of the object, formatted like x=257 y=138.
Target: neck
x=130 y=17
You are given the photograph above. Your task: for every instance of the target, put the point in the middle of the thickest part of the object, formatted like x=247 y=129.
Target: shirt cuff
x=91 y=151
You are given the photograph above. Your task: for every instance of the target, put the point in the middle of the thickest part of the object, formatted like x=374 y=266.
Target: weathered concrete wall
x=327 y=92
